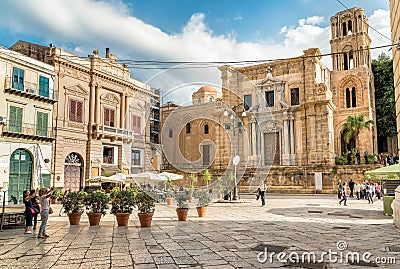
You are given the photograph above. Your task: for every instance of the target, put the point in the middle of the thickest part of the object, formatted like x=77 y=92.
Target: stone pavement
x=232 y=236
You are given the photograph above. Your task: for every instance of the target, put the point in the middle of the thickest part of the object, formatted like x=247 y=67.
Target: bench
x=13 y=219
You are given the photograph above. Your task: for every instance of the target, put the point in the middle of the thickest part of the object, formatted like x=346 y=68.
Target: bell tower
x=352 y=81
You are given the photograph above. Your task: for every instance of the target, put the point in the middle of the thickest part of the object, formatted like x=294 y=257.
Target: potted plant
x=182 y=202
x=170 y=192
x=204 y=199
x=123 y=205
x=54 y=196
x=113 y=192
x=146 y=203
x=207 y=177
x=193 y=179
x=73 y=204
x=96 y=205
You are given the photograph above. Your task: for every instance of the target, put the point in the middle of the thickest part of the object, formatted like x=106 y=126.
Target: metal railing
x=28 y=129
x=30 y=88
x=124 y=133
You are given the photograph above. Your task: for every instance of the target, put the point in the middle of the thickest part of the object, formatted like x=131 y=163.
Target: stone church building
x=289 y=113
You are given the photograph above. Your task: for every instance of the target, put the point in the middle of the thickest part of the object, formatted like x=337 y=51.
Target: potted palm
x=54 y=196
x=170 y=192
x=207 y=177
x=123 y=205
x=204 y=199
x=182 y=202
x=146 y=203
x=73 y=204
x=96 y=205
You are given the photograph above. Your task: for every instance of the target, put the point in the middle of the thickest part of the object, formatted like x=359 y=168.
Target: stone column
x=122 y=111
x=262 y=150
x=286 y=136
x=253 y=139
x=292 y=137
x=92 y=103
x=98 y=108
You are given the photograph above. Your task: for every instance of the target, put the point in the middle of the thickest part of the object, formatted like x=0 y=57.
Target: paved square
x=231 y=236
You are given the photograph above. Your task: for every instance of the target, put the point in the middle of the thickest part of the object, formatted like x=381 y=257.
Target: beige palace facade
x=100 y=119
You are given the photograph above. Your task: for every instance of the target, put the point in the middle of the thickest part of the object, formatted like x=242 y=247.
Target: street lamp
x=4 y=189
x=236 y=159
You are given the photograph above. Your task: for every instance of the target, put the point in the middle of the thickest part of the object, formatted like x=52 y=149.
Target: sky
x=185 y=30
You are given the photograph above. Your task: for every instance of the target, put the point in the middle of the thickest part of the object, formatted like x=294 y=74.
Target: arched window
x=344 y=28
x=350 y=27
x=353 y=97
x=206 y=129
x=188 y=128
x=348 y=98
x=345 y=61
x=170 y=133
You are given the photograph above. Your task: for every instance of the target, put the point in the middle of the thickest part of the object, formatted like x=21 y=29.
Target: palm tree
x=354 y=125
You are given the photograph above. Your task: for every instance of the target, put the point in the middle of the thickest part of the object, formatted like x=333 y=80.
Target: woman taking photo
x=44 y=213
x=29 y=210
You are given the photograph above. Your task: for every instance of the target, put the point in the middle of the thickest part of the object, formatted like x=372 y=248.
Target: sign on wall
x=318 y=181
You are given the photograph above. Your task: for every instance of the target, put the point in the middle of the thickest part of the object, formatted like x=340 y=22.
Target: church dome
x=207 y=89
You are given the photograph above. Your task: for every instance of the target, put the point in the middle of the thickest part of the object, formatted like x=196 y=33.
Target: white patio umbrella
x=170 y=176
x=145 y=176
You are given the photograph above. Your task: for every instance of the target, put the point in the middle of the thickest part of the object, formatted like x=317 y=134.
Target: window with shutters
x=109 y=117
x=15 y=122
x=41 y=123
x=136 y=124
x=44 y=86
x=247 y=102
x=136 y=157
x=75 y=110
x=18 y=79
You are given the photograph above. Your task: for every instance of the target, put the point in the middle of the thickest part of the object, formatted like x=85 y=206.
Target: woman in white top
x=358 y=189
x=44 y=210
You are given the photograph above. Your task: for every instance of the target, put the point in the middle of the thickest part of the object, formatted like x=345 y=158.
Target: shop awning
x=391 y=172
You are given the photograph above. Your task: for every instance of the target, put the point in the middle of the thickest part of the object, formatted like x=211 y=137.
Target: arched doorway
x=20 y=177
x=345 y=147
x=73 y=172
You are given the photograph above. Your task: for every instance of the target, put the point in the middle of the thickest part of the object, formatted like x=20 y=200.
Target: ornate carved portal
x=72 y=172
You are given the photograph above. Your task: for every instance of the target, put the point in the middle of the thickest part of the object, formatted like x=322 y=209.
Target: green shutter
x=45 y=181
x=41 y=123
x=43 y=86
x=15 y=122
x=18 y=79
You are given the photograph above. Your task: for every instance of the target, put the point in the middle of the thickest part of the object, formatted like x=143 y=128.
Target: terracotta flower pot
x=53 y=200
x=201 y=211
x=74 y=218
x=170 y=201
x=220 y=196
x=94 y=218
x=122 y=218
x=145 y=219
x=182 y=213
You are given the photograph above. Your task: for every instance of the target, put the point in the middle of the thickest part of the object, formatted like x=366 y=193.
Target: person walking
x=351 y=186
x=44 y=213
x=339 y=188
x=344 y=195
x=263 y=189
x=368 y=190
x=378 y=190
x=358 y=190
x=28 y=209
x=366 y=156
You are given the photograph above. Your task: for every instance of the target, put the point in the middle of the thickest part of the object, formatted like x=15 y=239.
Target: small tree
x=354 y=125
x=207 y=177
x=193 y=179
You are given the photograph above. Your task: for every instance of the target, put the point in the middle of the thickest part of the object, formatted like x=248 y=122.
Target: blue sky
x=183 y=30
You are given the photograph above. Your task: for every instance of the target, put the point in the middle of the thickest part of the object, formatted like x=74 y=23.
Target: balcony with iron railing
x=118 y=133
x=30 y=90
x=28 y=131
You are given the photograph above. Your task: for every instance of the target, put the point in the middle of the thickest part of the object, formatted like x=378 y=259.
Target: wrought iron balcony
x=28 y=131
x=30 y=90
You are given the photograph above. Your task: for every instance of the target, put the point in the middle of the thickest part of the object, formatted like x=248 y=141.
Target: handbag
x=50 y=210
x=34 y=210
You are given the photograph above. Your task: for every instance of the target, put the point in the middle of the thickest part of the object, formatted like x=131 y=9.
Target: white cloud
x=381 y=33
x=238 y=17
x=95 y=24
